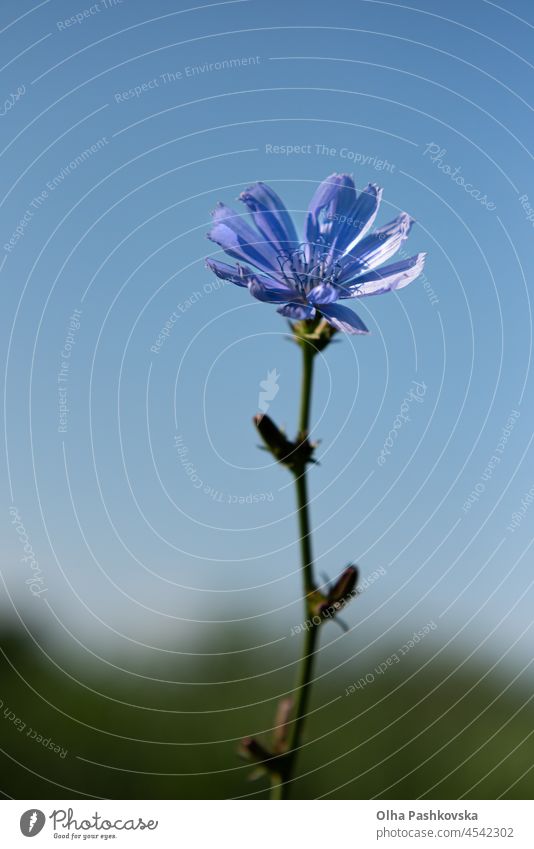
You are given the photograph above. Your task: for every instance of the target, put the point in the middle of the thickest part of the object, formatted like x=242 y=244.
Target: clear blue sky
x=123 y=124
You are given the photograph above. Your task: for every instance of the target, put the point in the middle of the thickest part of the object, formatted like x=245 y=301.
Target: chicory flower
x=339 y=258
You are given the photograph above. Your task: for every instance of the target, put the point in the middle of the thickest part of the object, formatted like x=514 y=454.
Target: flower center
x=308 y=266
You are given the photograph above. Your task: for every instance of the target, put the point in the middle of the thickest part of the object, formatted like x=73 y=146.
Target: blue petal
x=333 y=198
x=343 y=319
x=271 y=216
x=376 y=248
x=386 y=279
x=271 y=291
x=297 y=311
x=363 y=215
x=241 y=241
x=234 y=274
x=324 y=293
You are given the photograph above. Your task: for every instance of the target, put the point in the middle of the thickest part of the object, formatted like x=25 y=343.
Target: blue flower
x=338 y=259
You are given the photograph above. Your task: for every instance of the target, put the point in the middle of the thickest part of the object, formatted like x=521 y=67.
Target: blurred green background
x=429 y=726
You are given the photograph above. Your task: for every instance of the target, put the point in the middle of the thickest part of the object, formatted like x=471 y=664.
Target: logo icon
x=269 y=388
x=32 y=822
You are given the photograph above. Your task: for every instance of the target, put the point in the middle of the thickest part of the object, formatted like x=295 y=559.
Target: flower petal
x=324 y=293
x=239 y=240
x=297 y=311
x=376 y=248
x=270 y=216
x=342 y=318
x=334 y=197
x=363 y=215
x=271 y=291
x=387 y=279
x=237 y=274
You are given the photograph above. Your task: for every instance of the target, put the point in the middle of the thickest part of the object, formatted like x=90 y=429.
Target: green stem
x=306 y=388
x=277 y=787
x=281 y=783
x=304 y=532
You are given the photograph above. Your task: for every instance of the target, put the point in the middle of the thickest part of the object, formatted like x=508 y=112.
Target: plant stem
x=281 y=783
x=308 y=353
x=281 y=789
x=304 y=532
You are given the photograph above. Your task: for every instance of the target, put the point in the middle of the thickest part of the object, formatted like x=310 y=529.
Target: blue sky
x=123 y=124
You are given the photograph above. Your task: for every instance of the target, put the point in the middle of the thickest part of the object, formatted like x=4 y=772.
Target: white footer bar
x=264 y=825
